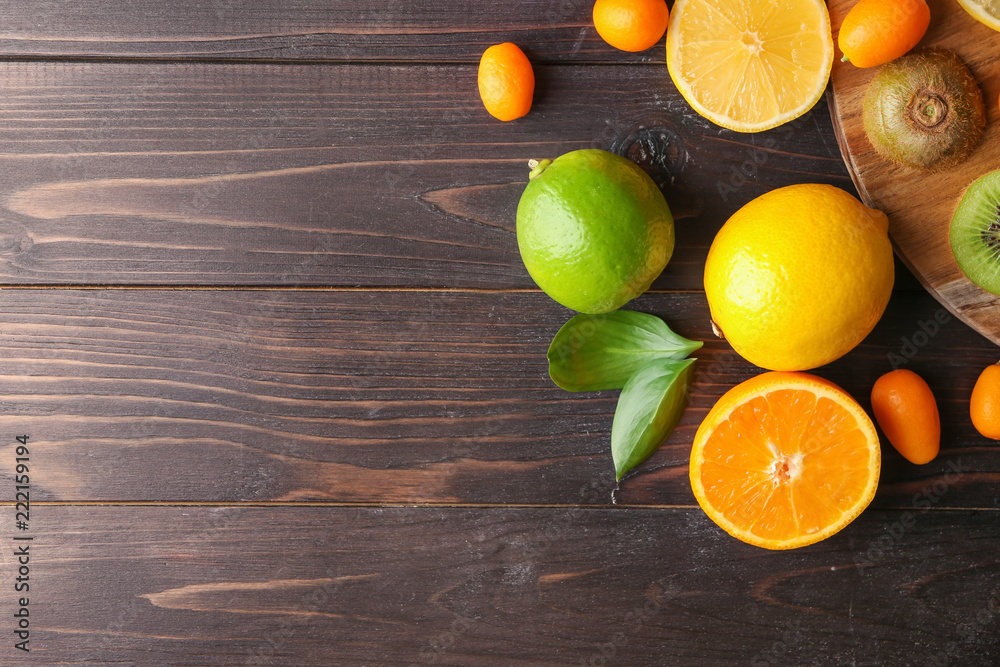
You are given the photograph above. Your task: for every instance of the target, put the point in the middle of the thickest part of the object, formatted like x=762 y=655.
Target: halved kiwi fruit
x=975 y=232
x=925 y=110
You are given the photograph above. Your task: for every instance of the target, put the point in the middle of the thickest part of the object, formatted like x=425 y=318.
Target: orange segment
x=784 y=460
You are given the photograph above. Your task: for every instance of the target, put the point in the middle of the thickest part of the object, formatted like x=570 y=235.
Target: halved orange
x=784 y=460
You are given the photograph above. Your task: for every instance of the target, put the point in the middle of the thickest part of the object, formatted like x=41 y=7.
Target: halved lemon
x=986 y=12
x=784 y=460
x=751 y=65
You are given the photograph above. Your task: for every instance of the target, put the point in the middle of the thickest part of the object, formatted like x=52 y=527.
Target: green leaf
x=595 y=352
x=649 y=408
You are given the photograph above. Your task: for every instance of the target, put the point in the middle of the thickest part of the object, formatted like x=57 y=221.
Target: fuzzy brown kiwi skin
x=925 y=110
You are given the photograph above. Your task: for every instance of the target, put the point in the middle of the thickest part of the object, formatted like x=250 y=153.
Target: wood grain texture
x=365 y=30
x=504 y=586
x=920 y=204
x=463 y=501
x=235 y=174
x=395 y=396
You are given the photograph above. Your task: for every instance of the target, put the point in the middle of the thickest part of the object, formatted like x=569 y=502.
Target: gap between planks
x=302 y=288
x=369 y=505
x=180 y=60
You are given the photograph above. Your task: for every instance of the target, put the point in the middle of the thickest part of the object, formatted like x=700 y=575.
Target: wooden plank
x=235 y=174
x=502 y=586
x=393 y=396
x=447 y=30
x=308 y=30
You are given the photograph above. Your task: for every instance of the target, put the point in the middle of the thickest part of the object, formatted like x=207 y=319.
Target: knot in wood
x=658 y=150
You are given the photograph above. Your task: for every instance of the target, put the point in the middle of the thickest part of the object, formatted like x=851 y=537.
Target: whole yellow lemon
x=799 y=276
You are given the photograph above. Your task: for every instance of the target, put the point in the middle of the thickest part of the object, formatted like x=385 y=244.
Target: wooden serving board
x=920 y=204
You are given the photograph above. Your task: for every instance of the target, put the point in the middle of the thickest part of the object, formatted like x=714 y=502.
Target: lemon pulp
x=986 y=12
x=752 y=65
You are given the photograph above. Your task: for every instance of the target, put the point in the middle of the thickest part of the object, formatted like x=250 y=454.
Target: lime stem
x=537 y=167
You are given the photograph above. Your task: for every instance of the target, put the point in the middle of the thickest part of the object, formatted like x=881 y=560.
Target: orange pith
x=784 y=460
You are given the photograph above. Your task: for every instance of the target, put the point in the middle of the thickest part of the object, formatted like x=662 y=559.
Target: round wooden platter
x=920 y=204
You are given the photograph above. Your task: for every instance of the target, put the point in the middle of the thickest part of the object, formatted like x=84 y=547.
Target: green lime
x=593 y=229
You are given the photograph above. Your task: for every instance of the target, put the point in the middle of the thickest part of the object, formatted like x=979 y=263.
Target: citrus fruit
x=631 y=25
x=593 y=229
x=986 y=12
x=506 y=81
x=752 y=65
x=877 y=31
x=799 y=276
x=905 y=408
x=784 y=460
x=984 y=405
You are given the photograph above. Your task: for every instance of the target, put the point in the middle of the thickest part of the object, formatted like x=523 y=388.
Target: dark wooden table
x=282 y=373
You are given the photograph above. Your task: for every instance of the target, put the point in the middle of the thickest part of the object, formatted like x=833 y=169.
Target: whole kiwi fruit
x=925 y=110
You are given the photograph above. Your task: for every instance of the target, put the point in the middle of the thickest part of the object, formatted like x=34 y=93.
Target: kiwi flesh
x=925 y=110
x=975 y=232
